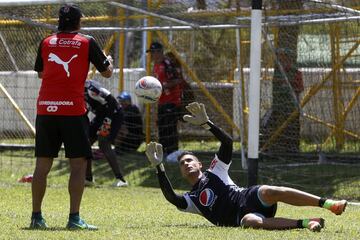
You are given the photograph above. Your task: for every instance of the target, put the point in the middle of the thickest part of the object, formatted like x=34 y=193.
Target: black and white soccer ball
x=148 y=89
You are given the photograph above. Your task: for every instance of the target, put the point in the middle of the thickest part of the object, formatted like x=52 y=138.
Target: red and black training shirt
x=63 y=58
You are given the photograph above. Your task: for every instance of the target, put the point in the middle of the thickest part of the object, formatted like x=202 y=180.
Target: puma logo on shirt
x=54 y=58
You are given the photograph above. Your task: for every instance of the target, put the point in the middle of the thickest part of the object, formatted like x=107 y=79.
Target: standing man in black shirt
x=217 y=198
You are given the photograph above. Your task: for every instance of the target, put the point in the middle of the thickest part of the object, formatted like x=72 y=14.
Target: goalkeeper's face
x=190 y=166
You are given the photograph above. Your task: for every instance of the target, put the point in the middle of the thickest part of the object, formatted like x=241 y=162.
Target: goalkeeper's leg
x=337 y=207
x=255 y=220
x=273 y=194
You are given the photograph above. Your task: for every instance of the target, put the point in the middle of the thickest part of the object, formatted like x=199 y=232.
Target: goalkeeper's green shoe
x=79 y=224
x=337 y=207
x=38 y=223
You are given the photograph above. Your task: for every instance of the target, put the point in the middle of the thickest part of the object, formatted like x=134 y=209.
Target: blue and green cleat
x=38 y=223
x=79 y=224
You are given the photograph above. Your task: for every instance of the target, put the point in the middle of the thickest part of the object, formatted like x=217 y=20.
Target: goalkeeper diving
x=217 y=198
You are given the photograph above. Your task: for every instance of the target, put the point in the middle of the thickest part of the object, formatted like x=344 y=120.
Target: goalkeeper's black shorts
x=250 y=203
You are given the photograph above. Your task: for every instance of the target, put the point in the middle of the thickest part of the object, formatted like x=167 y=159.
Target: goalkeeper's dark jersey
x=215 y=196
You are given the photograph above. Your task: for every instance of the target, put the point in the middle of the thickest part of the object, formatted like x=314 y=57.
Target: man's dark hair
x=69 y=17
x=185 y=153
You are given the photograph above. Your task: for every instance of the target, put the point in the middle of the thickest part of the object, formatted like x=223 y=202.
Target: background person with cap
x=170 y=100
x=131 y=133
x=62 y=63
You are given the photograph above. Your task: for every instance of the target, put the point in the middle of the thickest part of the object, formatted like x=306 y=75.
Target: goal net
x=310 y=75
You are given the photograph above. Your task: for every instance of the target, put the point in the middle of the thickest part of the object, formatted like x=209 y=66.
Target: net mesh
x=309 y=80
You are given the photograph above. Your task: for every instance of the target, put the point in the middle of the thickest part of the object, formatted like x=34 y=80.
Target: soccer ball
x=148 y=89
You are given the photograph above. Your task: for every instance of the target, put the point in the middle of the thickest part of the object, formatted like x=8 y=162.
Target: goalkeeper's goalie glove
x=198 y=115
x=104 y=129
x=154 y=153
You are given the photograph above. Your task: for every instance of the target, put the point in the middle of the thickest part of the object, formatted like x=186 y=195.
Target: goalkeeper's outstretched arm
x=199 y=117
x=226 y=147
x=166 y=188
x=154 y=153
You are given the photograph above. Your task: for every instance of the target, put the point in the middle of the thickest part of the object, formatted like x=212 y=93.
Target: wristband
x=206 y=125
x=160 y=168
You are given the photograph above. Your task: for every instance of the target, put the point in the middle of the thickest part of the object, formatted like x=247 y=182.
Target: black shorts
x=251 y=204
x=52 y=131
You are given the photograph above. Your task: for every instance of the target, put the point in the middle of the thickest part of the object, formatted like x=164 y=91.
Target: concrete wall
x=23 y=87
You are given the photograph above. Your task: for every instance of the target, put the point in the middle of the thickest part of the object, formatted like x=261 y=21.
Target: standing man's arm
x=104 y=64
x=108 y=72
x=154 y=152
x=39 y=65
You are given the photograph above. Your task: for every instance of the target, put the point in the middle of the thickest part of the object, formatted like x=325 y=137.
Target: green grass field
x=141 y=212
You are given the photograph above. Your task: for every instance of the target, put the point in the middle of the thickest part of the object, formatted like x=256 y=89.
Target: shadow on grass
x=182 y=225
x=186 y=225
x=50 y=229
